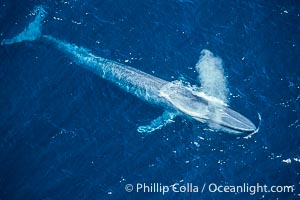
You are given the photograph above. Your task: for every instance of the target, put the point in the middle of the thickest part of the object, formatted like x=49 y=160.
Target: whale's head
x=206 y=109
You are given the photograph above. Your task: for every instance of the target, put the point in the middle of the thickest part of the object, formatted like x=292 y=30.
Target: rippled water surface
x=68 y=134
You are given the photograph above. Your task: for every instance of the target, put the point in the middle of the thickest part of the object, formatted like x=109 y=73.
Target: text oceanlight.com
x=211 y=187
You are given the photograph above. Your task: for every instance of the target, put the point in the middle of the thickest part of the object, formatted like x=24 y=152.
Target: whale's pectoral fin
x=158 y=123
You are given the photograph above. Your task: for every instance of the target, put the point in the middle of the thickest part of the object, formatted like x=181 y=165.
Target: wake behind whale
x=207 y=104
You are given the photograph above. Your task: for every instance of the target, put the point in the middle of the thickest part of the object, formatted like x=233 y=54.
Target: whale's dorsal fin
x=158 y=123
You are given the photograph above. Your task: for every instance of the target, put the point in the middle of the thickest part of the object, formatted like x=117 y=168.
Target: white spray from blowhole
x=211 y=76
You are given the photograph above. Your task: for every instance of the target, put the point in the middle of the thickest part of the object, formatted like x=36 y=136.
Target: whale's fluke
x=32 y=31
x=211 y=75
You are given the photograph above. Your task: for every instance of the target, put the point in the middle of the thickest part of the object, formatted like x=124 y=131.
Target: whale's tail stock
x=33 y=31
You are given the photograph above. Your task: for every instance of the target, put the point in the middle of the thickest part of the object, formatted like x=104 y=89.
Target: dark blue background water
x=68 y=134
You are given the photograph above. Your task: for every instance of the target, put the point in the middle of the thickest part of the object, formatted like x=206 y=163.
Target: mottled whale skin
x=177 y=98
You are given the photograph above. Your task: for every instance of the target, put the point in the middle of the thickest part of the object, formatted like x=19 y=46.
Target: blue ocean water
x=68 y=134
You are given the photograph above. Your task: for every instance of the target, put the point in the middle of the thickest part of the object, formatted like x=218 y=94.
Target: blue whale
x=176 y=97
